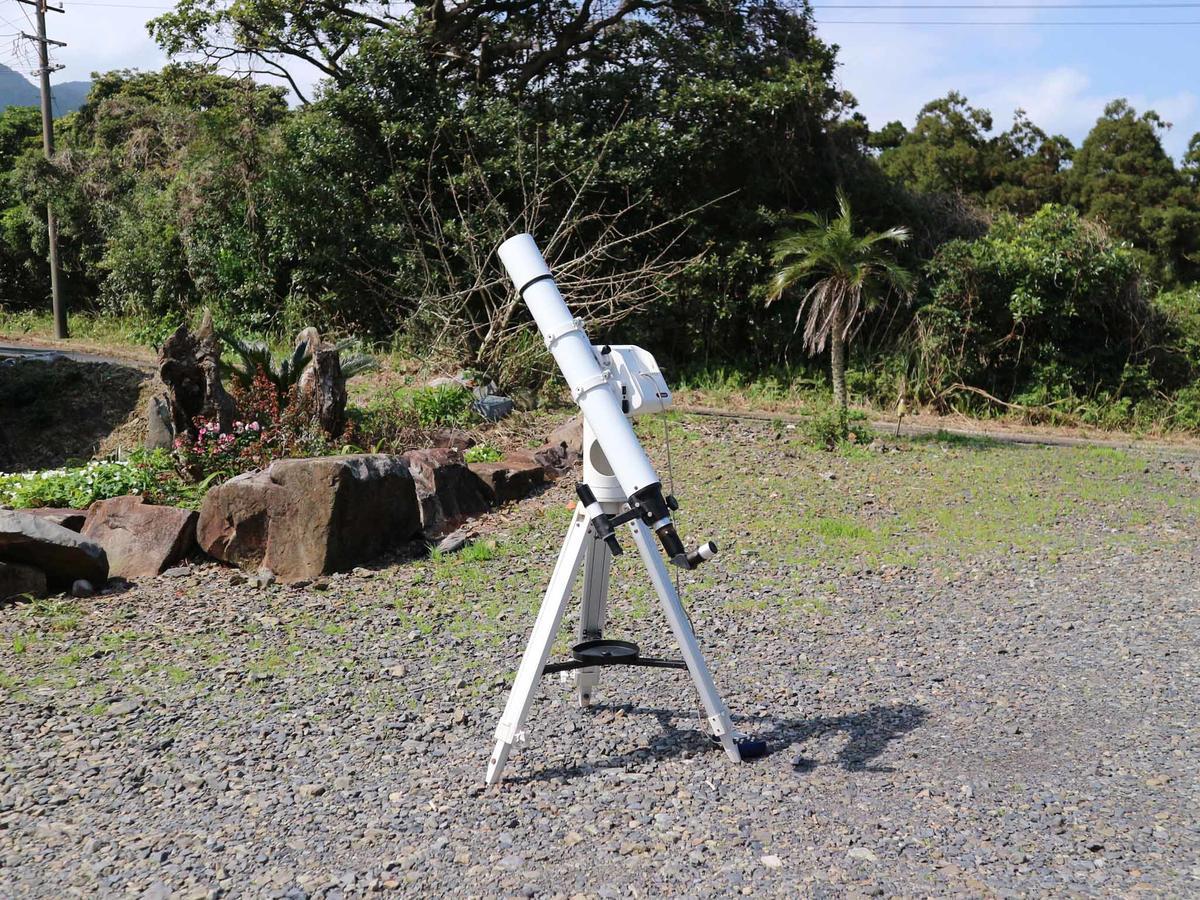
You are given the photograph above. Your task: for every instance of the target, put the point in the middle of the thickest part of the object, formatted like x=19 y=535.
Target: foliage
x=836 y=426
x=150 y=474
x=254 y=359
x=1123 y=177
x=482 y=453
x=1044 y=310
x=950 y=151
x=443 y=406
x=274 y=426
x=846 y=274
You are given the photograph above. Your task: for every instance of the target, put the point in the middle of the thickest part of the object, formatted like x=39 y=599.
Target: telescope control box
x=636 y=379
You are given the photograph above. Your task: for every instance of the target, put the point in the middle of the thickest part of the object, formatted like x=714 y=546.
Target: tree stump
x=190 y=367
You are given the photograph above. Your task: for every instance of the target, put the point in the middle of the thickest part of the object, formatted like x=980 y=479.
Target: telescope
x=611 y=384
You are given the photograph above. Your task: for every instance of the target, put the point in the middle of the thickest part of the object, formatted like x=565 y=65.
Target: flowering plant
x=147 y=473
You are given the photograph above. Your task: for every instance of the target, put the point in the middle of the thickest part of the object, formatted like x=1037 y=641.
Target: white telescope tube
x=573 y=352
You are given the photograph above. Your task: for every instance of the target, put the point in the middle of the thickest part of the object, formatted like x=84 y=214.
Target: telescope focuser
x=654 y=509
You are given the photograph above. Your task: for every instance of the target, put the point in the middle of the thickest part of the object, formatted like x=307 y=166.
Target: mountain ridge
x=17 y=90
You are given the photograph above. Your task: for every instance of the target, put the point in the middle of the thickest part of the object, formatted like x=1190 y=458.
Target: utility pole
x=44 y=70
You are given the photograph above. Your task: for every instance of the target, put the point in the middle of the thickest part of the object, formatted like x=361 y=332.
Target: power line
x=1029 y=23
x=1003 y=6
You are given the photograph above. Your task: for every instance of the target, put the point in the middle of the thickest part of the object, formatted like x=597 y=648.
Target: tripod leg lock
x=601 y=521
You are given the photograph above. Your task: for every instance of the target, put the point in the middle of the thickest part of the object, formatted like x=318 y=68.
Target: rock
x=189 y=365
x=59 y=552
x=569 y=435
x=862 y=854
x=67 y=518
x=160 y=428
x=454 y=438
x=82 y=588
x=141 y=539
x=771 y=861
x=493 y=408
x=448 y=492
x=555 y=459
x=301 y=518
x=262 y=579
x=16 y=579
x=511 y=478
x=455 y=541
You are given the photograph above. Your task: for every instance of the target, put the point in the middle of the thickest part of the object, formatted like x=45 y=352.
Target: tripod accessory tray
x=606 y=652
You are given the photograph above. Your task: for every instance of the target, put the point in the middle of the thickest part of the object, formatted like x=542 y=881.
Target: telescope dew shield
x=577 y=361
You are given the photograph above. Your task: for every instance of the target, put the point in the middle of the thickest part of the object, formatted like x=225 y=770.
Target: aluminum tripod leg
x=718 y=715
x=554 y=603
x=596 y=568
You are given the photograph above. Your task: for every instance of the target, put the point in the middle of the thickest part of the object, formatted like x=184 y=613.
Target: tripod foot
x=748 y=747
x=495 y=770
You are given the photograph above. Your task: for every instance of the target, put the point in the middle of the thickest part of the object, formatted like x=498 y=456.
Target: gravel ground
x=976 y=668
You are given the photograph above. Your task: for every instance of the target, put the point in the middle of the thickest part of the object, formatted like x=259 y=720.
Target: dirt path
x=926 y=425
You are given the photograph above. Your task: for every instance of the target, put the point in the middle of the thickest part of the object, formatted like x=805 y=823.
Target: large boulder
x=141 y=540
x=305 y=517
x=448 y=492
x=569 y=436
x=59 y=552
x=563 y=448
x=67 y=518
x=16 y=580
x=511 y=478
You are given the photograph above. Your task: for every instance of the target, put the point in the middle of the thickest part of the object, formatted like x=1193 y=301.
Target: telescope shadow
x=869 y=732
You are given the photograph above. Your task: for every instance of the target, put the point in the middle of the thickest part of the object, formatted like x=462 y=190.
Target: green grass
x=113 y=330
x=789 y=536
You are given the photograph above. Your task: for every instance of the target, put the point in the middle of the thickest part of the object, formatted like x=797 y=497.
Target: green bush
x=445 y=406
x=834 y=427
x=482 y=453
x=1040 y=309
x=147 y=473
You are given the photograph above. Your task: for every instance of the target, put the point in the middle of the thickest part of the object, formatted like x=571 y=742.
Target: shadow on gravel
x=869 y=733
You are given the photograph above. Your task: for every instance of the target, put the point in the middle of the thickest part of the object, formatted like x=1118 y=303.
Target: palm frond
x=357 y=363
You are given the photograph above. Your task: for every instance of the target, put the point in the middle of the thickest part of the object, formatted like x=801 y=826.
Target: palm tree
x=846 y=273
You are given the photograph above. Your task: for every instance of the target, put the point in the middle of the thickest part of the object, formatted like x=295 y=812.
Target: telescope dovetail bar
x=620 y=487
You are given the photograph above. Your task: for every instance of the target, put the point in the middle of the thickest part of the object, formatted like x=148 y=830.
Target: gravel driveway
x=976 y=668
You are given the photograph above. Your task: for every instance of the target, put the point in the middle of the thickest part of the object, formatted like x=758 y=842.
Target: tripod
x=584 y=546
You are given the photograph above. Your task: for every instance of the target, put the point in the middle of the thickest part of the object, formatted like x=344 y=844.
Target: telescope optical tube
x=591 y=389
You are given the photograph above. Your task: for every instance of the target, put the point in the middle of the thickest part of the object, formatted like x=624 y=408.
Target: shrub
x=148 y=473
x=834 y=427
x=482 y=453
x=1049 y=305
x=274 y=426
x=444 y=406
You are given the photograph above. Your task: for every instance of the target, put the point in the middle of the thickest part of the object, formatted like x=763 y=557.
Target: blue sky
x=1061 y=75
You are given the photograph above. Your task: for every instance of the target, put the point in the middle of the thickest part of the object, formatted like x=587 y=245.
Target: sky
x=1061 y=74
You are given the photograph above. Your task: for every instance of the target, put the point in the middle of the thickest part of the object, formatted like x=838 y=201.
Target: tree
x=1122 y=176
x=1027 y=167
x=947 y=151
x=847 y=273
x=1191 y=161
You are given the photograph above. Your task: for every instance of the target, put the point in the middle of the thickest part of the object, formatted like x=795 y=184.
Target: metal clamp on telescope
x=650 y=513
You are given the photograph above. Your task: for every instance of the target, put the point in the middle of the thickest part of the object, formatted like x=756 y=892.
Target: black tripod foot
x=750 y=748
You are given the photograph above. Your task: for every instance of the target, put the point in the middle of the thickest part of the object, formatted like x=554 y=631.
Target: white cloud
x=895 y=70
